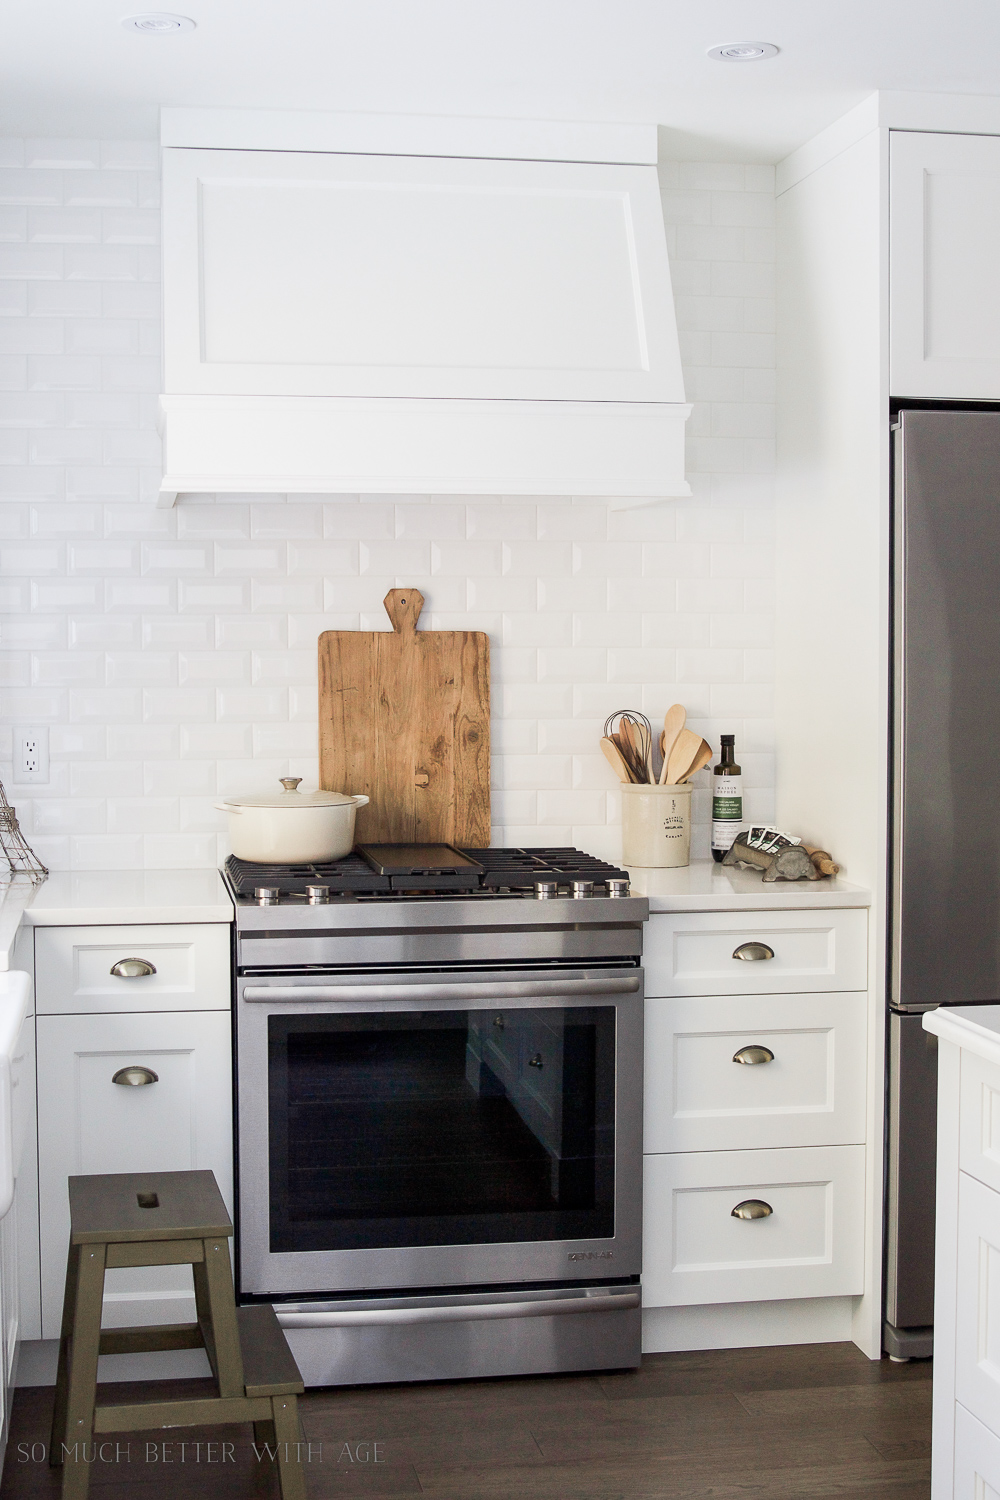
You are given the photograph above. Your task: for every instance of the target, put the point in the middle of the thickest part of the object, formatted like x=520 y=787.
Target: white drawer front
x=980 y=1120
x=811 y=1245
x=977 y=1459
x=693 y=953
x=73 y=968
x=977 y=1309
x=699 y=1098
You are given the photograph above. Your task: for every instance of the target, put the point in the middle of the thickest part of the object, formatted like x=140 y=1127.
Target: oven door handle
x=522 y=990
x=543 y=1307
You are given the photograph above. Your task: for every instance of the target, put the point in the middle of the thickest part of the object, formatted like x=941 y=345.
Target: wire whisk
x=632 y=732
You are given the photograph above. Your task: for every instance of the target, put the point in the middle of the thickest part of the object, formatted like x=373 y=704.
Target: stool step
x=269 y=1367
x=125 y=1207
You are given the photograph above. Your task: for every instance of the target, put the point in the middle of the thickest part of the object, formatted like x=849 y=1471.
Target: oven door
x=447 y=1129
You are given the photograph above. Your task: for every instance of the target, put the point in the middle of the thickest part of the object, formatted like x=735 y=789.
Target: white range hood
x=364 y=305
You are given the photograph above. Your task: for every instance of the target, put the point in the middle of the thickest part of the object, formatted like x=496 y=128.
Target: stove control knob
x=618 y=887
x=267 y=895
x=583 y=888
x=317 y=894
x=546 y=890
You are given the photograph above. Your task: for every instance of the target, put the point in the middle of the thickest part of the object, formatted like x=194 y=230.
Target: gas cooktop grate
x=503 y=870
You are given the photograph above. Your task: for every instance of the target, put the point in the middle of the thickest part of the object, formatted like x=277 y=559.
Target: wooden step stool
x=161 y=1219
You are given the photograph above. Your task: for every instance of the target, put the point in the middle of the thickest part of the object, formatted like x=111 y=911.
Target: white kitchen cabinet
x=90 y=1124
x=746 y=1072
x=944 y=240
x=698 y=953
x=75 y=968
x=810 y=1242
x=977 y=1459
x=285 y=274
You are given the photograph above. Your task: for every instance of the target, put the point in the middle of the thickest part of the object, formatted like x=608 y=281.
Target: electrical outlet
x=31 y=755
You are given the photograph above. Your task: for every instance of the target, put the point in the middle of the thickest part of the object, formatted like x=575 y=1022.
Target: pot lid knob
x=290 y=783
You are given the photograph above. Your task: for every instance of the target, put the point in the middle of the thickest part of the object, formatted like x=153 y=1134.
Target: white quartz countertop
x=128 y=897
x=974 y=1027
x=704 y=885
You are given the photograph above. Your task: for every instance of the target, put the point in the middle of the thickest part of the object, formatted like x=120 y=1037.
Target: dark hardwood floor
x=811 y=1421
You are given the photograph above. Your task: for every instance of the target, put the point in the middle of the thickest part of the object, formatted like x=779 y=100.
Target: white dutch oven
x=292 y=827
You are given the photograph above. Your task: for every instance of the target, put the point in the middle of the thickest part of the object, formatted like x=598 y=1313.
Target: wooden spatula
x=701 y=759
x=681 y=758
x=673 y=722
x=616 y=760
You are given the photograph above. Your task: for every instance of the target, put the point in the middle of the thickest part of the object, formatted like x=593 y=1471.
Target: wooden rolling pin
x=822 y=860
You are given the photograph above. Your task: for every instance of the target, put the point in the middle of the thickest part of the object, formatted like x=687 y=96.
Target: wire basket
x=20 y=857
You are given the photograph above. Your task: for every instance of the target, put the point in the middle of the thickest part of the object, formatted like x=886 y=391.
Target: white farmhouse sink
x=15 y=1003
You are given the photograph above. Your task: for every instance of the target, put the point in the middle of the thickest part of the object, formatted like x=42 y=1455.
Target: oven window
x=441 y=1128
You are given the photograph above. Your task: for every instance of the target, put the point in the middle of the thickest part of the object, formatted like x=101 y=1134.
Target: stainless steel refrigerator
x=945 y=919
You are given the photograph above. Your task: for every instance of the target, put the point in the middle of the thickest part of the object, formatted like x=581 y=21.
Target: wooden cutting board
x=404 y=716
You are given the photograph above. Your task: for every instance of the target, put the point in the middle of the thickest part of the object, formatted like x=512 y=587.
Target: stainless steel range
x=439 y=1095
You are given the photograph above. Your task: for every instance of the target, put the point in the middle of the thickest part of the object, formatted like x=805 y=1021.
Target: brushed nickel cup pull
x=753 y=1055
x=752 y=1208
x=132 y=968
x=135 y=1076
x=537 y=1061
x=753 y=951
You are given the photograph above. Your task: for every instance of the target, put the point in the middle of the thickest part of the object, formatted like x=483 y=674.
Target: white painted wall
x=172 y=654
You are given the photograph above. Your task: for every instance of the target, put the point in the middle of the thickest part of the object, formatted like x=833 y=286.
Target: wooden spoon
x=701 y=759
x=681 y=758
x=616 y=760
x=626 y=738
x=673 y=722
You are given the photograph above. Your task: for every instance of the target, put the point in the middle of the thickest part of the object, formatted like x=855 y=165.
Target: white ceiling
x=67 y=67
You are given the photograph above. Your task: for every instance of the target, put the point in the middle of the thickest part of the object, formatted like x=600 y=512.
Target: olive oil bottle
x=727 y=799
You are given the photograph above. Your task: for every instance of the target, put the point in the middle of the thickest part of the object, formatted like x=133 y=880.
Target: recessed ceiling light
x=157 y=23
x=743 y=51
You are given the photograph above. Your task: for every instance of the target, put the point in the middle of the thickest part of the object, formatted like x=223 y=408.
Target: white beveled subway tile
x=248 y=631
x=139 y=595
x=78 y=742
x=740 y=700
x=213 y=667
x=143 y=741
x=758 y=734
x=530 y=700
x=124 y=156
x=31 y=262
x=68 y=816
x=214 y=522
x=618 y=629
x=105 y=852
x=149 y=189
x=704 y=177
x=15 y=669
x=23 y=633
x=142 y=814
x=129 y=299
x=510 y=807
x=67 y=668
x=476 y=559
x=31 y=336
x=177 y=705
x=395 y=557
x=514 y=736
x=130 y=226
x=644 y=523
x=284 y=522
x=758 y=523
x=575 y=664
x=602 y=840
x=676 y=559
x=497 y=782
x=433 y=522
x=350 y=520
x=347 y=596
x=104 y=632
x=145 y=668
x=172 y=631
x=744 y=560
x=533 y=772
x=179 y=851
x=444 y=594
x=607 y=559
x=656 y=697
x=704 y=383
x=742 y=629
x=571 y=807
x=678 y=629
x=247 y=705
x=138 y=372
x=178 y=778
x=205 y=598
x=100 y=263
x=259 y=774
x=101 y=557
x=488 y=521
x=39 y=409
x=710 y=313
x=710 y=242
x=175 y=558
x=97 y=409
x=596 y=700
x=272 y=741
x=749 y=210
x=61 y=299
x=53 y=152
x=59 y=595
x=709 y=665
x=200 y=815
x=103 y=483
x=757 y=767
x=691 y=278
x=570 y=736
x=465 y=619
x=148 y=262
x=537 y=630
x=276 y=667
x=105 y=778
x=102 y=336
x=26 y=185
x=104 y=705
x=511 y=664
x=77 y=519
x=748 y=349
x=13 y=372
x=301 y=596
x=253 y=560
x=503 y=594
x=759 y=455
x=647 y=664
x=538 y=559
x=15 y=520
x=591 y=772
x=570 y=594
x=744 y=419
x=63 y=372
x=569 y=521
x=62 y=226
x=758 y=666
x=303 y=706
x=759 y=805
x=333 y=560
x=29 y=559
x=216 y=742
x=704 y=523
